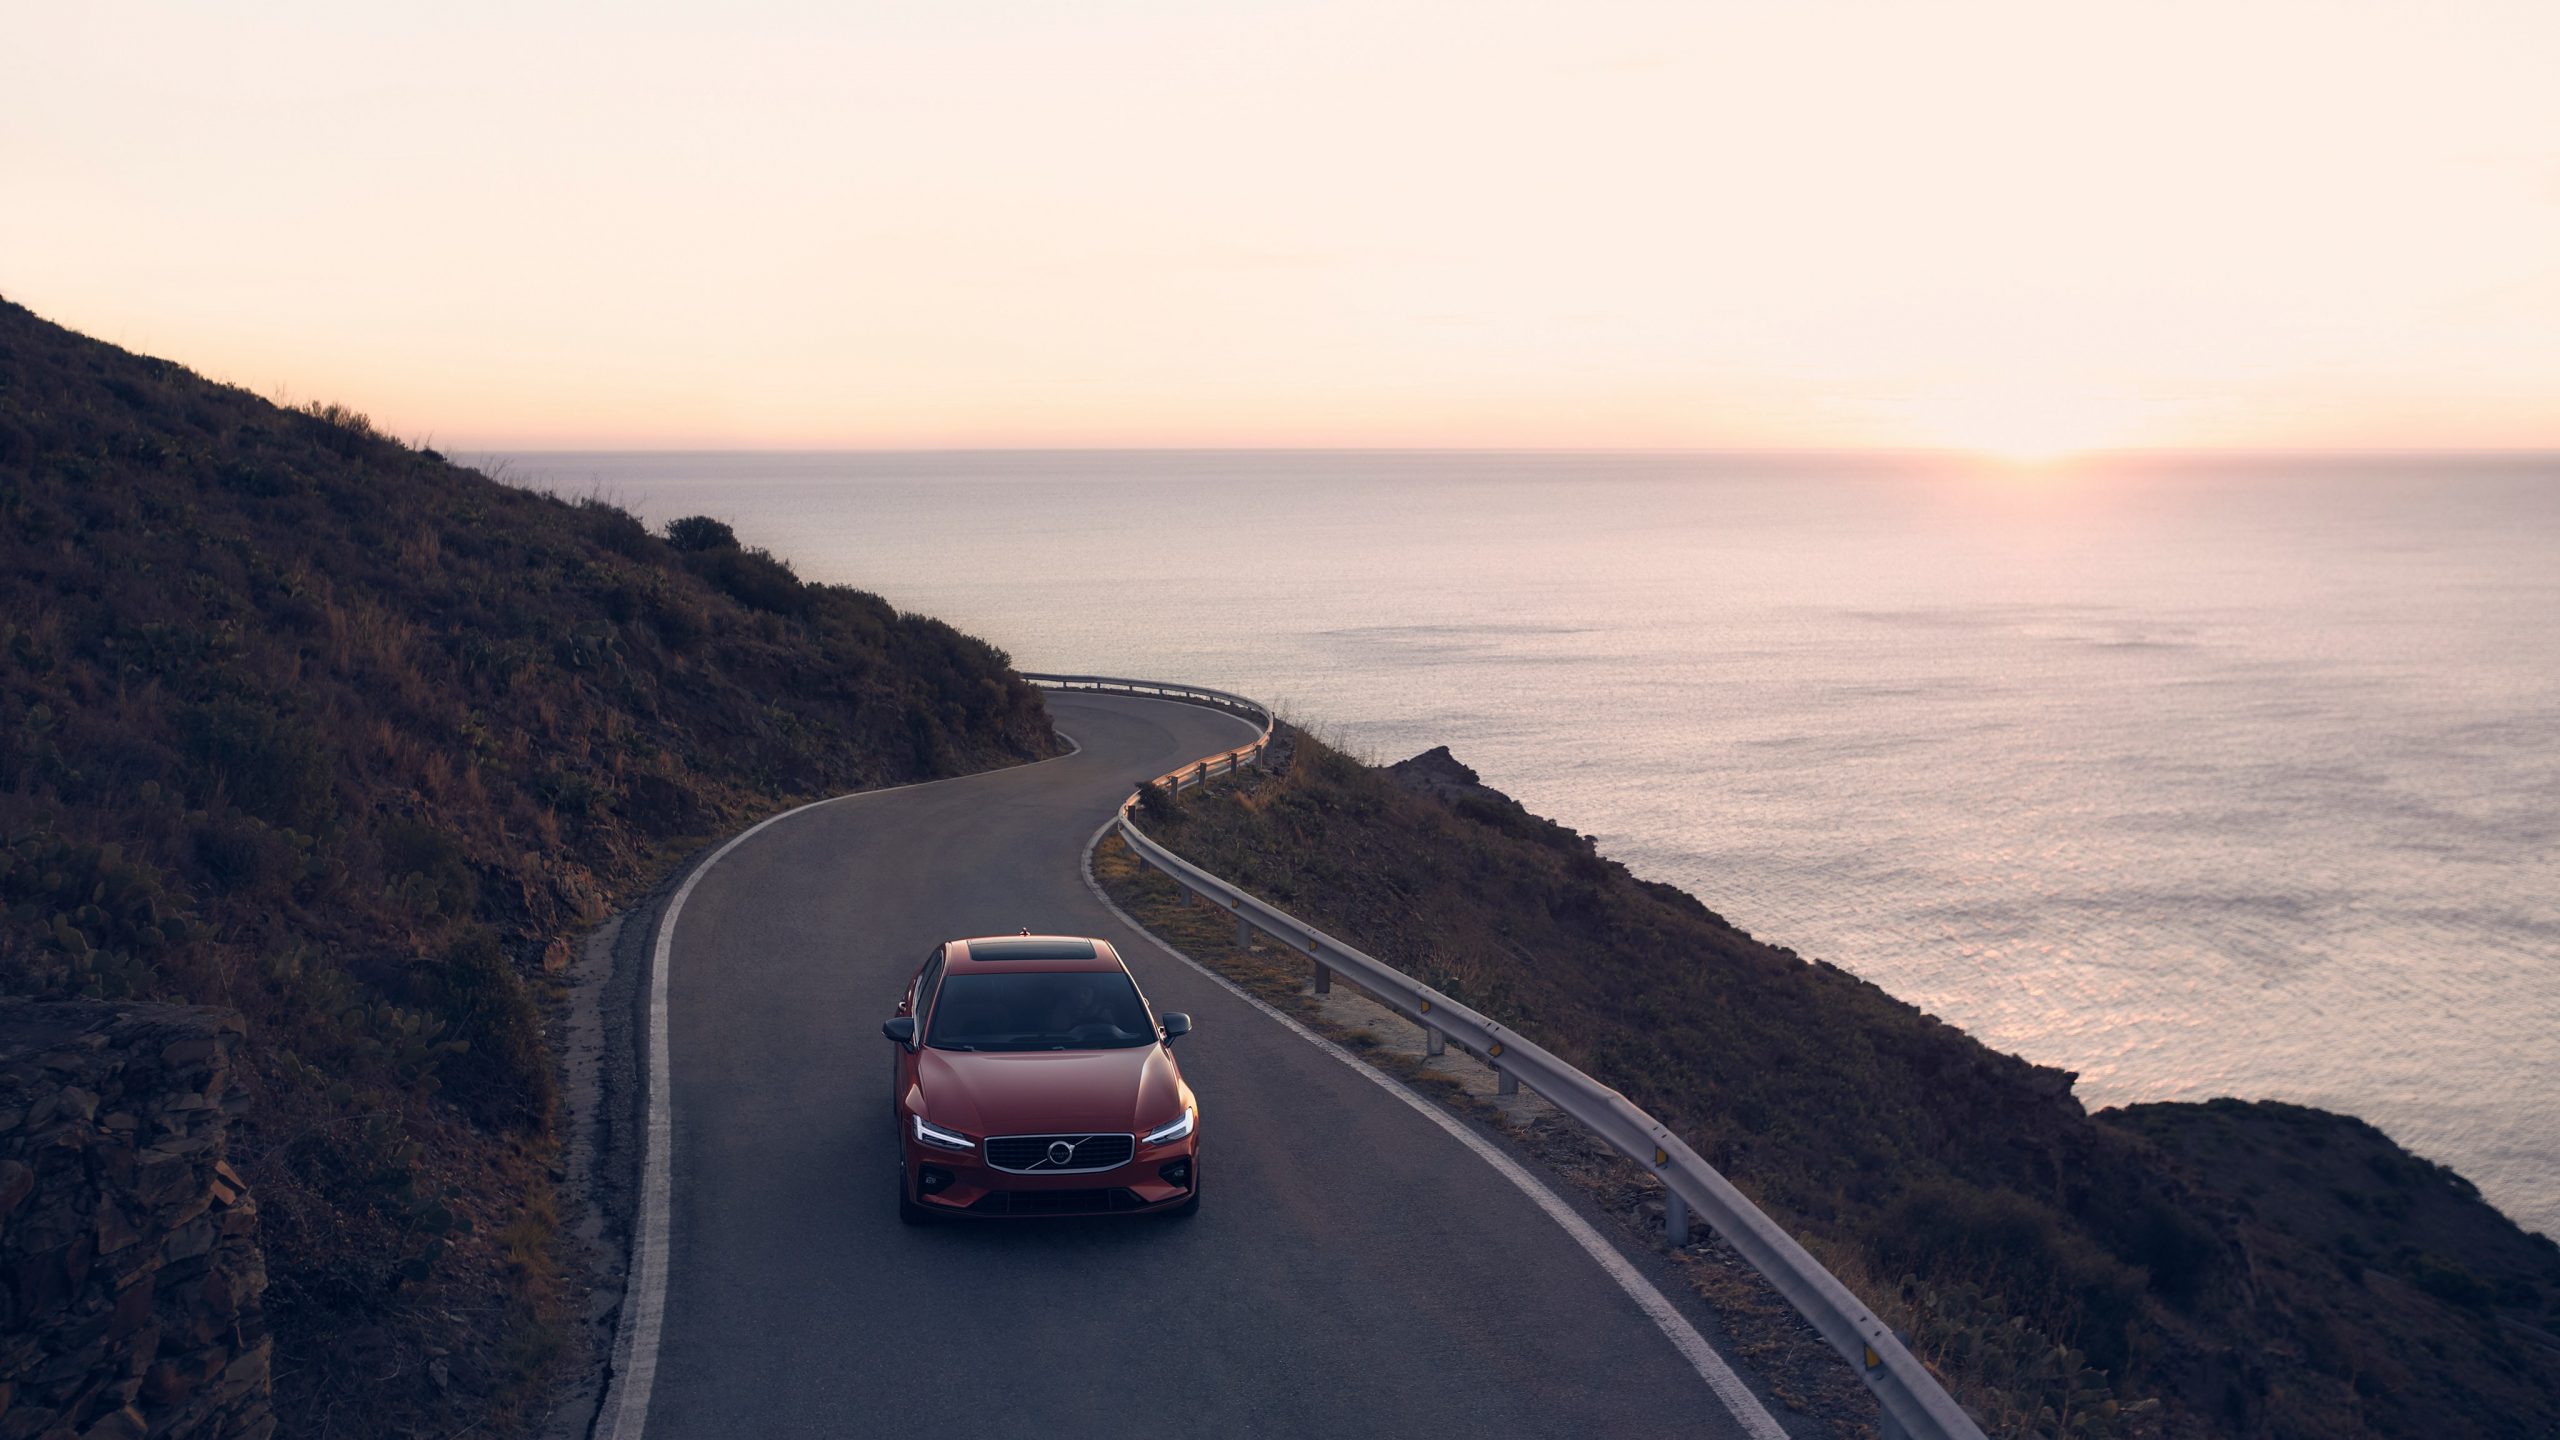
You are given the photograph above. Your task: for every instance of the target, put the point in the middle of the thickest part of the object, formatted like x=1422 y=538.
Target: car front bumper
x=1157 y=1177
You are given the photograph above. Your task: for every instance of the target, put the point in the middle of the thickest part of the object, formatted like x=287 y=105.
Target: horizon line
x=1946 y=452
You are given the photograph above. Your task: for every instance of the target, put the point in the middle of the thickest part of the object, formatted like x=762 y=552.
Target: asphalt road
x=1353 y=1271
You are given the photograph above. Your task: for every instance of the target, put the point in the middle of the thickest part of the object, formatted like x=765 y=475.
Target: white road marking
x=1746 y=1408
x=625 y=1413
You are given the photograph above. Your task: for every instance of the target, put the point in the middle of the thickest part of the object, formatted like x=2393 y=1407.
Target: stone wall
x=130 y=1276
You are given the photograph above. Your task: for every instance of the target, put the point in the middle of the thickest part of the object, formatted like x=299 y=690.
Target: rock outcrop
x=128 y=1248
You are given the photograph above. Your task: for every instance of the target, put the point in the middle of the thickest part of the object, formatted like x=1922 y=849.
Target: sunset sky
x=2026 y=228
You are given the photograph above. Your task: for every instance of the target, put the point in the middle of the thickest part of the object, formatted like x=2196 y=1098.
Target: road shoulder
x=1780 y=1357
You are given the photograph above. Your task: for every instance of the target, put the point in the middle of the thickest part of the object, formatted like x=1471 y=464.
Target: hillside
x=297 y=720
x=2171 y=1270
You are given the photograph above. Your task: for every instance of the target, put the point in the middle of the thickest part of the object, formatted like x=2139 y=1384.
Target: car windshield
x=1076 y=1010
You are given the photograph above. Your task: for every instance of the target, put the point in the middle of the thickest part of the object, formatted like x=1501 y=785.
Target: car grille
x=1039 y=1155
x=1056 y=1202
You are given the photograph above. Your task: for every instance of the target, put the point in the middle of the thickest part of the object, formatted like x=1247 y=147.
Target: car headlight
x=941 y=1139
x=1168 y=1133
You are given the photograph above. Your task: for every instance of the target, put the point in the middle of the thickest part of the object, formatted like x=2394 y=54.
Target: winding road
x=1356 y=1269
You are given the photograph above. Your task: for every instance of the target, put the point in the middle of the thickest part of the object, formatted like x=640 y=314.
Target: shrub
x=242 y=856
x=572 y=792
x=680 y=625
x=2179 y=1252
x=661 y=805
x=330 y=412
x=346 y=431
x=430 y=866
x=97 y=912
x=2449 y=1280
x=696 y=533
x=618 y=530
x=504 y=1079
x=269 y=766
x=755 y=579
x=257 y=480
x=2000 y=1239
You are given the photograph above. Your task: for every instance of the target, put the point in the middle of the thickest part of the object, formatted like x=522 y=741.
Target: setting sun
x=2025 y=419
x=2025 y=450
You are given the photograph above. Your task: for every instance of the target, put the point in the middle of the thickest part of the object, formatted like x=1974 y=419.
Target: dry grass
x=296 y=720
x=1799 y=1369
x=2067 y=1274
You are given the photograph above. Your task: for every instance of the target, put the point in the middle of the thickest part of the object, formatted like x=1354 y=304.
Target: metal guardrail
x=1198 y=771
x=1915 y=1405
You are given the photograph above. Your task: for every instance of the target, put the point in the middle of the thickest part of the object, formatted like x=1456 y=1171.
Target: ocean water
x=2200 y=777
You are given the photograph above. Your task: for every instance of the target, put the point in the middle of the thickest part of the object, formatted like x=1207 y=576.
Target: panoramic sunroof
x=1031 y=950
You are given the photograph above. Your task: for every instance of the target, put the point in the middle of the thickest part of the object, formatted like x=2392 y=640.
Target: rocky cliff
x=312 y=725
x=2171 y=1272
x=128 y=1244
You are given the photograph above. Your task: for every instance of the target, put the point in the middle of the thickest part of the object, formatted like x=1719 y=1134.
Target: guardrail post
x=1889 y=1428
x=1506 y=1084
x=1675 y=1216
x=1433 y=1042
x=1324 y=978
x=1244 y=933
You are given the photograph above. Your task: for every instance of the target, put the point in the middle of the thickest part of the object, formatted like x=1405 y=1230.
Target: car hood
x=1036 y=1092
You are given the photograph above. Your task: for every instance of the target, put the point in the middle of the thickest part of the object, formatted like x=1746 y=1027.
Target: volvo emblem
x=1061 y=1151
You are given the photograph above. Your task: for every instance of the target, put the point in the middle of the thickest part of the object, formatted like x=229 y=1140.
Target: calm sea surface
x=2233 y=777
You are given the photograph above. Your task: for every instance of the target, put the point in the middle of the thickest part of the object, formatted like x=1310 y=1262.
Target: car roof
x=1032 y=953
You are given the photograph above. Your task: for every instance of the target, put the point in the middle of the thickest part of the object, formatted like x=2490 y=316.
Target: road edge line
x=624 y=1415
x=1728 y=1387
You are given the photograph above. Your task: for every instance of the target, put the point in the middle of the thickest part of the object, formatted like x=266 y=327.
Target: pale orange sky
x=2013 y=226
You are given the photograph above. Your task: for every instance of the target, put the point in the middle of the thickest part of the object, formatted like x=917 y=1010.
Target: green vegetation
x=2170 y=1270
x=300 y=721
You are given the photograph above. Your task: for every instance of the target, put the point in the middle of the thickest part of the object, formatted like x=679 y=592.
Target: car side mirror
x=902 y=1029
x=1176 y=1025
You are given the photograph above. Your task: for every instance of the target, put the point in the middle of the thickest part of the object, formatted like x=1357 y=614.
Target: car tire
x=909 y=1211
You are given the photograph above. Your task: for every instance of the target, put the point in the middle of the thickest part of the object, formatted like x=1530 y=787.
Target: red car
x=1034 y=1079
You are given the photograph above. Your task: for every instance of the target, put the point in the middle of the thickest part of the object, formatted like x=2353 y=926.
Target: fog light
x=1175 y=1172
x=933 y=1179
